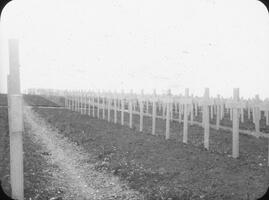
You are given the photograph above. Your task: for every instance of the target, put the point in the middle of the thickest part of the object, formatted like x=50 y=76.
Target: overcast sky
x=140 y=44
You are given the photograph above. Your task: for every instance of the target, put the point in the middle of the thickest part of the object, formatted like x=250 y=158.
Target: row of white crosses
x=186 y=105
x=218 y=107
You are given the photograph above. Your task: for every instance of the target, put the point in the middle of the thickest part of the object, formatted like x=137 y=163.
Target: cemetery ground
x=154 y=167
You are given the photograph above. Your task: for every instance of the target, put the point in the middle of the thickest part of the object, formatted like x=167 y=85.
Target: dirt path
x=75 y=167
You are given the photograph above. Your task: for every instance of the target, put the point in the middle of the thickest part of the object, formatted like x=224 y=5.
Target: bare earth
x=75 y=172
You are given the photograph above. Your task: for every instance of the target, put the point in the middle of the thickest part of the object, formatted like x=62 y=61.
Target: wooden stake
x=206 y=118
x=15 y=123
x=168 y=107
x=130 y=111
x=154 y=113
x=141 y=108
x=98 y=105
x=186 y=101
x=104 y=107
x=108 y=107
x=115 y=109
x=122 y=107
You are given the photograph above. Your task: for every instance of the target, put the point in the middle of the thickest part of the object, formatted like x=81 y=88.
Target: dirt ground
x=170 y=169
x=151 y=165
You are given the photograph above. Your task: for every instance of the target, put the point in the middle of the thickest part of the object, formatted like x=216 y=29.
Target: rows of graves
x=182 y=108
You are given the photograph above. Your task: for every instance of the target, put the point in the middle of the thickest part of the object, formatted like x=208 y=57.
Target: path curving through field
x=74 y=170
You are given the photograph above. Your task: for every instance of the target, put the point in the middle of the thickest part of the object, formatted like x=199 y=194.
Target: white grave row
x=166 y=106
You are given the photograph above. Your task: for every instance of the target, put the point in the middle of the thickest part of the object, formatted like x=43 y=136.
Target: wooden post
x=205 y=103
x=81 y=96
x=104 y=106
x=141 y=109
x=80 y=102
x=77 y=101
x=206 y=124
x=65 y=100
x=186 y=102
x=70 y=100
x=196 y=109
x=122 y=107
x=235 y=126
x=168 y=107
x=115 y=108
x=15 y=122
x=86 y=103
x=130 y=110
x=108 y=106
x=218 y=103
x=90 y=103
x=74 y=101
x=93 y=104
x=222 y=111
x=154 y=113
x=257 y=113
x=98 y=105
x=235 y=105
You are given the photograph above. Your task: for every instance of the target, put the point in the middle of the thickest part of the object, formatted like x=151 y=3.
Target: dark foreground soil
x=158 y=168
x=37 y=177
x=163 y=169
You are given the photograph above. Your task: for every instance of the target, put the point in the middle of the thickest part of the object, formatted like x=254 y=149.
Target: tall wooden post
x=104 y=106
x=205 y=103
x=235 y=105
x=130 y=109
x=257 y=113
x=141 y=108
x=115 y=108
x=98 y=105
x=206 y=124
x=122 y=107
x=15 y=122
x=108 y=106
x=187 y=102
x=235 y=126
x=218 y=112
x=74 y=101
x=168 y=107
x=154 y=113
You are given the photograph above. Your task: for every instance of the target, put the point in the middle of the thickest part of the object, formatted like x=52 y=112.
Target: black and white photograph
x=134 y=100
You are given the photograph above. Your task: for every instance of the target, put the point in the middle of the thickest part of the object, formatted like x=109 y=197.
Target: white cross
x=168 y=101
x=186 y=101
x=235 y=105
x=154 y=100
x=206 y=102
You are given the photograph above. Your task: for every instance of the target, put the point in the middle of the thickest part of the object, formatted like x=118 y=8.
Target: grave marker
x=168 y=102
x=154 y=113
x=235 y=105
x=141 y=109
x=186 y=101
x=206 y=102
x=15 y=106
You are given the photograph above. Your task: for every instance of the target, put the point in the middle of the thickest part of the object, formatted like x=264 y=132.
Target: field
x=154 y=167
